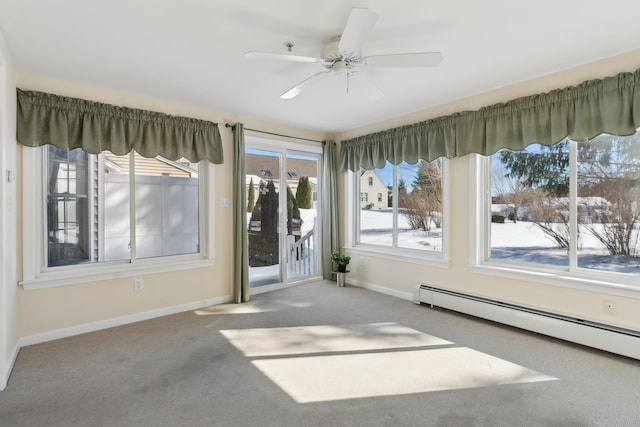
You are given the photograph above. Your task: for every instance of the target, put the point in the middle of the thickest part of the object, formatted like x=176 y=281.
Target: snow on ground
x=525 y=242
x=376 y=227
x=520 y=242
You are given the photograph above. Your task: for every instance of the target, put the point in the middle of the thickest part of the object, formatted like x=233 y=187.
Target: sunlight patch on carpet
x=329 y=362
x=353 y=376
x=327 y=338
x=231 y=309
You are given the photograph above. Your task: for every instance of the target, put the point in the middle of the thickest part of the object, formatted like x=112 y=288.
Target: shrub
x=497 y=218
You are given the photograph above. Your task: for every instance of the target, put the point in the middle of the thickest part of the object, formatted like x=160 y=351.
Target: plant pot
x=342 y=268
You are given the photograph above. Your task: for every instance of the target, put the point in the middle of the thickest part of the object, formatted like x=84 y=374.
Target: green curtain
x=329 y=212
x=69 y=123
x=610 y=105
x=240 y=244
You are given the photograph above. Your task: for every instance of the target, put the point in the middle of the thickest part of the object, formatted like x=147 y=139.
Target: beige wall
x=45 y=311
x=8 y=237
x=400 y=277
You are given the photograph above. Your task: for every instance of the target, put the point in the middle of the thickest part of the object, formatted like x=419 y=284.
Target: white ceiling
x=191 y=51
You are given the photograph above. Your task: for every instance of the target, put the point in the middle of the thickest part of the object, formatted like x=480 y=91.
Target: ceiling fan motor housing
x=339 y=61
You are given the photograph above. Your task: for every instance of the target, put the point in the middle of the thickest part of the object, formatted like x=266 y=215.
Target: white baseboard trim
x=4 y=380
x=118 y=321
x=381 y=289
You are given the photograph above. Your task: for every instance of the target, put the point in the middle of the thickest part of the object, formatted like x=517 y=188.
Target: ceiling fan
x=342 y=56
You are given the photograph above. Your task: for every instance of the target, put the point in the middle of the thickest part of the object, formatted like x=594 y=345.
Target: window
x=364 y=197
x=105 y=209
x=411 y=218
x=370 y=181
x=573 y=208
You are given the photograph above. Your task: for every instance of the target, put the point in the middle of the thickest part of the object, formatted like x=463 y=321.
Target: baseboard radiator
x=621 y=341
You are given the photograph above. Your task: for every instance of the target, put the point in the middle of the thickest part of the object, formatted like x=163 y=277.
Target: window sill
x=559 y=278
x=96 y=273
x=395 y=254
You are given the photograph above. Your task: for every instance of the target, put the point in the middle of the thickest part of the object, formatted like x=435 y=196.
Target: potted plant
x=341 y=261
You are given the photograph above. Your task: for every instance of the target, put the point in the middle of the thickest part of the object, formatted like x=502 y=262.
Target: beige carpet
x=316 y=356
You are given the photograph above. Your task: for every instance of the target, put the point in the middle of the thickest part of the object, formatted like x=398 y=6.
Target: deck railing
x=301 y=255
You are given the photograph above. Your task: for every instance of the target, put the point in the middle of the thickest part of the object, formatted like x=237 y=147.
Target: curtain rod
x=228 y=125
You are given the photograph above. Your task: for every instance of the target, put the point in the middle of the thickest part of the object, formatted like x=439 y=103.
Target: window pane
x=415 y=221
x=608 y=203
x=166 y=195
x=376 y=217
x=530 y=205
x=263 y=218
x=70 y=238
x=114 y=208
x=302 y=216
x=420 y=205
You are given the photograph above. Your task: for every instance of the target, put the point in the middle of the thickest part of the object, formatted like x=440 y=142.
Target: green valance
x=69 y=123
x=610 y=105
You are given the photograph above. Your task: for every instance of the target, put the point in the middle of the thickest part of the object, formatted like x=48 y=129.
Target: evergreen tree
x=263 y=241
x=252 y=197
x=402 y=187
x=546 y=168
x=293 y=212
x=269 y=211
x=304 y=193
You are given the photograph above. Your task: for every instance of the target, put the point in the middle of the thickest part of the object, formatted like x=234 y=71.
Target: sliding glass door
x=283 y=198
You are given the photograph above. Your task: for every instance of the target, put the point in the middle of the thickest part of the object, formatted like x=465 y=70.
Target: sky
x=405 y=171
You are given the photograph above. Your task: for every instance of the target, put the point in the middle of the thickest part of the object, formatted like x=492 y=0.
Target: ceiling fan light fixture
x=341 y=68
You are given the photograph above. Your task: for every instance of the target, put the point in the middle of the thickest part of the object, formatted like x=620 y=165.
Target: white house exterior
x=373 y=193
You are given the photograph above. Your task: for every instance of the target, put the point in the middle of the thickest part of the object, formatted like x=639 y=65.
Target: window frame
x=567 y=277
x=36 y=275
x=421 y=257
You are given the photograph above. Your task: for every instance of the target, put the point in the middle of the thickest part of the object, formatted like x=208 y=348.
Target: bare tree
x=551 y=215
x=422 y=206
x=615 y=224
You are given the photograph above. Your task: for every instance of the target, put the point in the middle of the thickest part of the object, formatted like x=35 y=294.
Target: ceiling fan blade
x=418 y=59
x=297 y=89
x=358 y=26
x=280 y=57
x=361 y=81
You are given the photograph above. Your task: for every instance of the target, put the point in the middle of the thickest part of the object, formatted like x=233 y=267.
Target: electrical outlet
x=609 y=307
x=137 y=285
